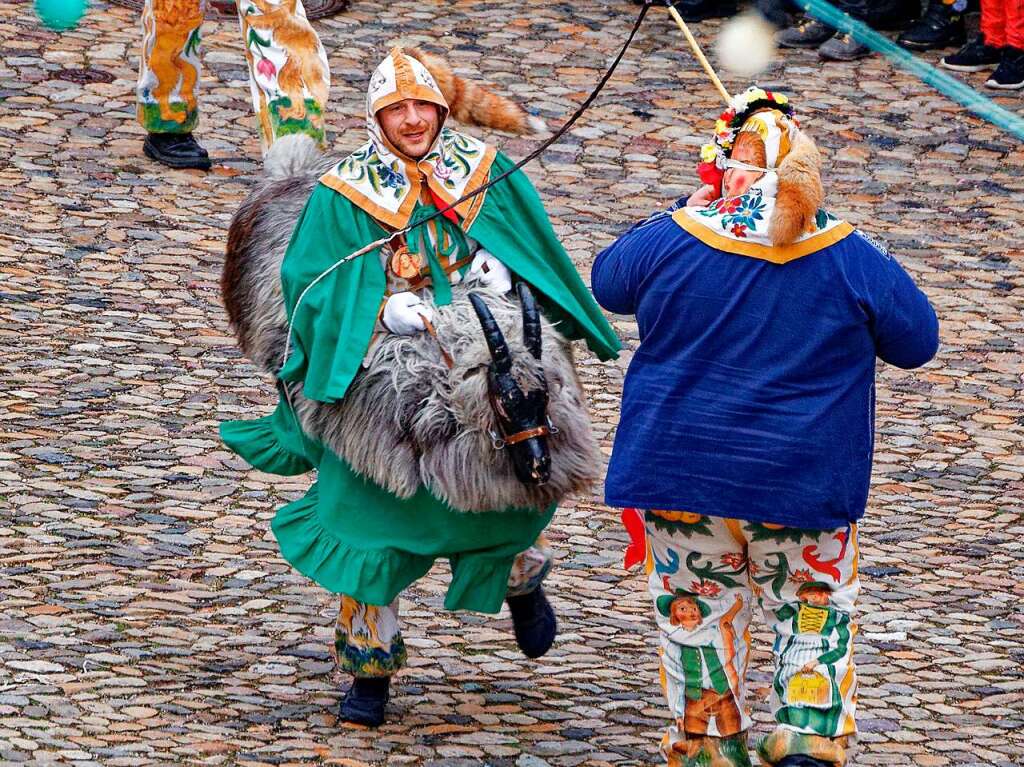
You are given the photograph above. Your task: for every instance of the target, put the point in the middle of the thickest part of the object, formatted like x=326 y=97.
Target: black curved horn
x=531 y=320
x=492 y=335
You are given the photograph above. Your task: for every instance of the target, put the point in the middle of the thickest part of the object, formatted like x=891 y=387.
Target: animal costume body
x=288 y=72
x=747 y=431
x=353 y=535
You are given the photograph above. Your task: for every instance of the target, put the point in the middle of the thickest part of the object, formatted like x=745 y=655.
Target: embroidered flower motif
x=706 y=588
x=739 y=230
x=389 y=178
x=266 y=68
x=442 y=171
x=734 y=559
x=801 y=576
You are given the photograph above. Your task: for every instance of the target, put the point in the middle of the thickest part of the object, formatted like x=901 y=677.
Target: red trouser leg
x=993 y=20
x=1014 y=23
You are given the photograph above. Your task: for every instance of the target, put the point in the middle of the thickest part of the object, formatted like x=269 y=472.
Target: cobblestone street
x=147 y=617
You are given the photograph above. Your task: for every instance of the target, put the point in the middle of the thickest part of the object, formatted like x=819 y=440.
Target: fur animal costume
x=403 y=442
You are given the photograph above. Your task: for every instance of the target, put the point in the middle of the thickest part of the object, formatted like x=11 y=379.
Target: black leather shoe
x=533 y=621
x=809 y=33
x=940 y=27
x=365 y=701
x=176 y=150
x=799 y=760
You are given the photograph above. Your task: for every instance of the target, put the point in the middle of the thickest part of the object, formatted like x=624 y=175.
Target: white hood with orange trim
x=387 y=184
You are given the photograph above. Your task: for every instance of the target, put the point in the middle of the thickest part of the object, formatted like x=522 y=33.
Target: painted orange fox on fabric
x=303 y=69
x=174 y=22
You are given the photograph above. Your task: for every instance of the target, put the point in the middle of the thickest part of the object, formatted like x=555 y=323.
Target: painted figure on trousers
x=288 y=75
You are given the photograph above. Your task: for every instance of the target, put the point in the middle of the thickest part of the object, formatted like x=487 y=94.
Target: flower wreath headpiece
x=711 y=167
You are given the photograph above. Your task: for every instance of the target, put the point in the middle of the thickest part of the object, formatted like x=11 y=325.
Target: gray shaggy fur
x=407 y=420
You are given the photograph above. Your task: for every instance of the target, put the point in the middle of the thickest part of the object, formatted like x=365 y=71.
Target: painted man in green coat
x=348 y=534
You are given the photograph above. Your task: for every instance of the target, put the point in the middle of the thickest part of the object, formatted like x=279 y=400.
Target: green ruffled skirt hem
x=377 y=576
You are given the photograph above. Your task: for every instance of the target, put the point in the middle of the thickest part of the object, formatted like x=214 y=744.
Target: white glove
x=490 y=272
x=402 y=314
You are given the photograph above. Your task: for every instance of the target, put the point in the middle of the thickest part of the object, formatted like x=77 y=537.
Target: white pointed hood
x=387 y=184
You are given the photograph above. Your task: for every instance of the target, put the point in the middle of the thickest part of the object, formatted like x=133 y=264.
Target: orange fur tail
x=472 y=103
x=800 y=193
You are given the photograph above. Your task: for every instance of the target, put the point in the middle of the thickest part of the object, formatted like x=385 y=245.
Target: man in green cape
x=349 y=534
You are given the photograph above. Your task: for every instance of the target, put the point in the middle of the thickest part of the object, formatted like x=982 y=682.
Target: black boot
x=799 y=760
x=365 y=701
x=176 y=150
x=533 y=621
x=940 y=27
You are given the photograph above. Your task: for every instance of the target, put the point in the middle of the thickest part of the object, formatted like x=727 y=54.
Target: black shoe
x=940 y=27
x=1009 y=75
x=973 y=57
x=699 y=10
x=176 y=150
x=809 y=33
x=799 y=760
x=842 y=47
x=365 y=701
x=533 y=621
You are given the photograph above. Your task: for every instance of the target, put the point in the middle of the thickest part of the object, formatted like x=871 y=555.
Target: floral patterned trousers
x=705 y=575
x=368 y=640
x=288 y=72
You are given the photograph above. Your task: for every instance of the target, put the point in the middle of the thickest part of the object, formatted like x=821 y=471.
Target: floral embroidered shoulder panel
x=740 y=225
x=387 y=187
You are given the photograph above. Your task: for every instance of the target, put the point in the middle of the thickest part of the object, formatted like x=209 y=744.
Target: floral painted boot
x=789 y=748
x=711 y=752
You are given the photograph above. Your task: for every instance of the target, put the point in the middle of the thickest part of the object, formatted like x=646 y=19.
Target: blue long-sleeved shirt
x=751 y=394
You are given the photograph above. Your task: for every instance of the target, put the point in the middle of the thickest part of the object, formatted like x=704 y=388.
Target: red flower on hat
x=711 y=174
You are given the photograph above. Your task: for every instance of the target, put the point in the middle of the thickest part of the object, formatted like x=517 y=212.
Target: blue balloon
x=61 y=15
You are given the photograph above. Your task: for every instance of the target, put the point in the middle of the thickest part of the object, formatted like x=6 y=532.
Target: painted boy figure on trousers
x=288 y=75
x=746 y=433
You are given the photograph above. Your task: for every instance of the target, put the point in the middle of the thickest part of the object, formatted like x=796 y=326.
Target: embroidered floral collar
x=740 y=225
x=387 y=184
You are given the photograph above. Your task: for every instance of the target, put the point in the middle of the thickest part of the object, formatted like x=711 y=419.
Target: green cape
x=334 y=323
x=346 y=533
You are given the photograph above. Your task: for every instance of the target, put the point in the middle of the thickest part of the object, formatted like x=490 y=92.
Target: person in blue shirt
x=745 y=442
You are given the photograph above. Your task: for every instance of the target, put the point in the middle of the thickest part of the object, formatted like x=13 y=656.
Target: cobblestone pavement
x=147 y=617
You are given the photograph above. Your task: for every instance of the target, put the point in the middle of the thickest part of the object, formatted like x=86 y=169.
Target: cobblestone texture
x=147 y=617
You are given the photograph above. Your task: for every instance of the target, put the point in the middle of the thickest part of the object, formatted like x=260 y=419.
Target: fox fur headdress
x=790 y=155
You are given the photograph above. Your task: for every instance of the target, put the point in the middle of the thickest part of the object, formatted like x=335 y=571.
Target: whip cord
x=480 y=190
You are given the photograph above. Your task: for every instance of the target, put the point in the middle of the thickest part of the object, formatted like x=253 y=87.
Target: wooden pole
x=700 y=55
